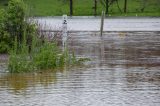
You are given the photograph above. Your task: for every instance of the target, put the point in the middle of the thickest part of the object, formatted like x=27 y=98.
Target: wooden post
x=102 y=22
x=71 y=7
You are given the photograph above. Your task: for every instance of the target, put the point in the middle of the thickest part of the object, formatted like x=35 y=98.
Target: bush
x=4 y=35
x=4 y=41
x=26 y=51
x=42 y=56
x=47 y=56
x=13 y=24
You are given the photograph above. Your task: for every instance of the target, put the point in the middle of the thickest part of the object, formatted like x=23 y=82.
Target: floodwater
x=124 y=71
x=93 y=23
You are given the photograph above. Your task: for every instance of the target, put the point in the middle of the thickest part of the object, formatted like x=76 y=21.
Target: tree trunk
x=71 y=7
x=125 y=6
x=95 y=7
x=107 y=7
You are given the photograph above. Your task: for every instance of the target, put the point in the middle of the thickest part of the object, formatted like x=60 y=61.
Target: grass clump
x=42 y=56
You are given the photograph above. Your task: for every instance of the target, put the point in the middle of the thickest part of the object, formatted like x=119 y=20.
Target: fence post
x=64 y=31
x=102 y=22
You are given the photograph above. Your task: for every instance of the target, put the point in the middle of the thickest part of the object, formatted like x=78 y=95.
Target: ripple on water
x=124 y=70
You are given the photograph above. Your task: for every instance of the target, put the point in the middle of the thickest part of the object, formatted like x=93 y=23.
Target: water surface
x=110 y=24
x=124 y=71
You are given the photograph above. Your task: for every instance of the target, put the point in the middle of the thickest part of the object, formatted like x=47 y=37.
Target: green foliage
x=19 y=58
x=4 y=41
x=46 y=56
x=13 y=24
x=26 y=51
x=85 y=7
x=15 y=18
x=4 y=35
x=42 y=56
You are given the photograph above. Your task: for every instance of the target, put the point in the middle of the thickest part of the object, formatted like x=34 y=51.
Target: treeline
x=106 y=4
x=91 y=7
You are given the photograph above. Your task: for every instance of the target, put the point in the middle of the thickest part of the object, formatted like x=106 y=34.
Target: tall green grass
x=39 y=56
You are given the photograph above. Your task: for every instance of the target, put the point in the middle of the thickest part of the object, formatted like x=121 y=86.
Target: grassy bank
x=85 y=7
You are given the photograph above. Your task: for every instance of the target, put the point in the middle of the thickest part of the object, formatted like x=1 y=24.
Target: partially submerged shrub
x=4 y=35
x=4 y=41
x=42 y=56
x=13 y=24
x=15 y=16
x=46 y=56
x=19 y=60
x=28 y=53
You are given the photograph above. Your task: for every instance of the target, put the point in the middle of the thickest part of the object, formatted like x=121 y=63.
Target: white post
x=64 y=30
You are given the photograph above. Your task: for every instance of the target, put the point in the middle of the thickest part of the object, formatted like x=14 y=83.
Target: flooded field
x=124 y=71
x=110 y=24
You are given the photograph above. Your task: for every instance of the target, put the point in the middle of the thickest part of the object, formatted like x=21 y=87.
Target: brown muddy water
x=124 y=71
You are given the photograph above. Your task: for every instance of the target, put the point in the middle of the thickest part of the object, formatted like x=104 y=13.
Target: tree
x=95 y=7
x=108 y=3
x=143 y=2
x=125 y=6
x=71 y=7
x=107 y=6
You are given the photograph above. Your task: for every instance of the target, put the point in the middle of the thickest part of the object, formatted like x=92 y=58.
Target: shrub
x=4 y=35
x=4 y=41
x=28 y=53
x=46 y=56
x=42 y=56
x=13 y=24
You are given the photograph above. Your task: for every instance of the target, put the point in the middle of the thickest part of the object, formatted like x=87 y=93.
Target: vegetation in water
x=41 y=56
x=13 y=24
x=26 y=51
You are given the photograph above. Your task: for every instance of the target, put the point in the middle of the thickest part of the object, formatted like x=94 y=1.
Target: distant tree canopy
x=108 y=3
x=90 y=7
